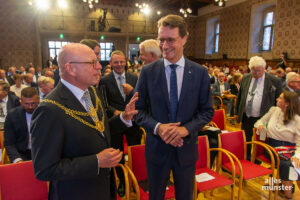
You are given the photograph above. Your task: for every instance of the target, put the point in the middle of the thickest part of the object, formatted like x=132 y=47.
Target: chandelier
x=91 y=2
x=220 y=3
x=185 y=9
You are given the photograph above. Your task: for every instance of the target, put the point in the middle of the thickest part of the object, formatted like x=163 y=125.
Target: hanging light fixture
x=91 y=2
x=220 y=3
x=144 y=7
x=185 y=10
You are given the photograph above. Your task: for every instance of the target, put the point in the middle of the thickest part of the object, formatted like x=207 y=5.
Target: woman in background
x=283 y=129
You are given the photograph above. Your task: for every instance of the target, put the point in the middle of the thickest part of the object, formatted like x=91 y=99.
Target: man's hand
x=127 y=88
x=109 y=157
x=260 y=128
x=296 y=162
x=130 y=110
x=172 y=133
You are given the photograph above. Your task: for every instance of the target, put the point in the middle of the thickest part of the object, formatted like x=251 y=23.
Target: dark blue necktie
x=173 y=93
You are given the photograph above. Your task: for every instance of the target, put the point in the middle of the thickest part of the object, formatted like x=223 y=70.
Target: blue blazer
x=194 y=109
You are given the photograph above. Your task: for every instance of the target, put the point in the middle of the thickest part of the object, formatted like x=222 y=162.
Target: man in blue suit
x=174 y=104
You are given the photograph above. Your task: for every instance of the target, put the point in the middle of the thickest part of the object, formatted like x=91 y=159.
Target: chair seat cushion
x=170 y=193
x=250 y=170
x=218 y=181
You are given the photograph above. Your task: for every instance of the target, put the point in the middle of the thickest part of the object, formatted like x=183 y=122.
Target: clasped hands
x=172 y=133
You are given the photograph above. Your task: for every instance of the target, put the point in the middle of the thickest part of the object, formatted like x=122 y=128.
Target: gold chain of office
x=76 y=114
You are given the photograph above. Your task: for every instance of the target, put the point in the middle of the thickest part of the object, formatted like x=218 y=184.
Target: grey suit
x=272 y=90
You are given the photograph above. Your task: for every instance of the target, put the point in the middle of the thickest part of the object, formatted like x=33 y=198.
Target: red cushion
x=170 y=193
x=263 y=158
x=17 y=181
x=202 y=152
x=219 y=180
x=219 y=119
x=233 y=142
x=125 y=145
x=250 y=170
x=139 y=162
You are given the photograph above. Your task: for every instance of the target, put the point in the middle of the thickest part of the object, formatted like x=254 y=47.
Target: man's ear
x=71 y=70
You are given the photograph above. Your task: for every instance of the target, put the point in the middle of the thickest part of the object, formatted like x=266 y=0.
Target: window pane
x=217 y=43
x=217 y=28
x=102 y=55
x=64 y=43
x=107 y=45
x=269 y=18
x=51 y=44
x=52 y=53
x=107 y=54
x=57 y=51
x=102 y=45
x=58 y=44
x=266 y=39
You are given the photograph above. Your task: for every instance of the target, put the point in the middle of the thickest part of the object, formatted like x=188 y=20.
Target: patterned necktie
x=173 y=93
x=250 y=102
x=90 y=108
x=121 y=82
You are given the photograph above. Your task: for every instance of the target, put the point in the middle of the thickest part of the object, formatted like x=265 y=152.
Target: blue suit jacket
x=194 y=109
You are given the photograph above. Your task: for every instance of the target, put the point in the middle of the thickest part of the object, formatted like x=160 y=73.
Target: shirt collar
x=260 y=79
x=180 y=62
x=78 y=93
x=117 y=75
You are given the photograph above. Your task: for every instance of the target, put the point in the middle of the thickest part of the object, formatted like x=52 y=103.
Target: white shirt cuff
x=155 y=129
x=17 y=160
x=127 y=123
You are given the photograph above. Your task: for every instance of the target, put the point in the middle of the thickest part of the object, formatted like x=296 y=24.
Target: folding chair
x=17 y=181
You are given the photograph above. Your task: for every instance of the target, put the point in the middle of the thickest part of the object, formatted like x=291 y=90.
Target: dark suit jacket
x=64 y=149
x=15 y=133
x=10 y=80
x=114 y=97
x=288 y=89
x=12 y=101
x=216 y=88
x=272 y=90
x=194 y=109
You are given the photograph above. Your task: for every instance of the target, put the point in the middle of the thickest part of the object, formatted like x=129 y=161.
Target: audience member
x=281 y=75
x=10 y=76
x=258 y=92
x=28 y=80
x=293 y=82
x=235 y=83
x=174 y=104
x=3 y=76
x=149 y=51
x=45 y=85
x=71 y=133
x=49 y=73
x=288 y=70
x=283 y=63
x=18 y=86
x=17 y=138
x=283 y=130
x=22 y=70
x=8 y=101
x=31 y=70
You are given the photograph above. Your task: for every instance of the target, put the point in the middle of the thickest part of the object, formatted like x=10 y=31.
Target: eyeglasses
x=93 y=63
x=168 y=40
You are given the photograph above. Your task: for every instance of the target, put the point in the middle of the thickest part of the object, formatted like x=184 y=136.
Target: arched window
x=268 y=30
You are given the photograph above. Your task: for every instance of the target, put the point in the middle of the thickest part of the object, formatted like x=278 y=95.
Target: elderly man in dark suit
x=174 y=104
x=71 y=133
x=118 y=86
x=8 y=101
x=293 y=82
x=258 y=92
x=16 y=128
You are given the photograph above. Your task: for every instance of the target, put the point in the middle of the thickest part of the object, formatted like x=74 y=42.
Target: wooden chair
x=125 y=172
x=137 y=164
x=143 y=140
x=219 y=119
x=221 y=106
x=235 y=142
x=202 y=166
x=259 y=154
x=17 y=181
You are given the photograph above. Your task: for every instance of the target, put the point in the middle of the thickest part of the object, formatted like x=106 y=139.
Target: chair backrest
x=203 y=153
x=235 y=143
x=17 y=181
x=137 y=162
x=219 y=119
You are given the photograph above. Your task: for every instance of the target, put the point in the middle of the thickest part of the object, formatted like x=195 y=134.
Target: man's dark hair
x=29 y=92
x=90 y=43
x=174 y=21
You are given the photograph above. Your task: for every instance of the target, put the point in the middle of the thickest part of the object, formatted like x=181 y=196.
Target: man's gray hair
x=257 y=61
x=291 y=76
x=151 y=46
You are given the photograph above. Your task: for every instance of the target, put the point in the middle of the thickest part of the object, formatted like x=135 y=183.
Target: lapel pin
x=190 y=72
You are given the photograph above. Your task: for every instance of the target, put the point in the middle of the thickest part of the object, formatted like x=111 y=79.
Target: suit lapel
x=186 y=82
x=115 y=85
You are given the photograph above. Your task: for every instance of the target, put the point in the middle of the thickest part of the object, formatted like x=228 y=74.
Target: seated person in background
x=28 y=80
x=16 y=128
x=234 y=84
x=293 y=82
x=221 y=88
x=283 y=129
x=8 y=101
x=18 y=86
x=281 y=75
x=3 y=76
x=46 y=85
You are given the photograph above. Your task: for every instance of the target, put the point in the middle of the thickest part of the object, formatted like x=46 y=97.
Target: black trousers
x=247 y=126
